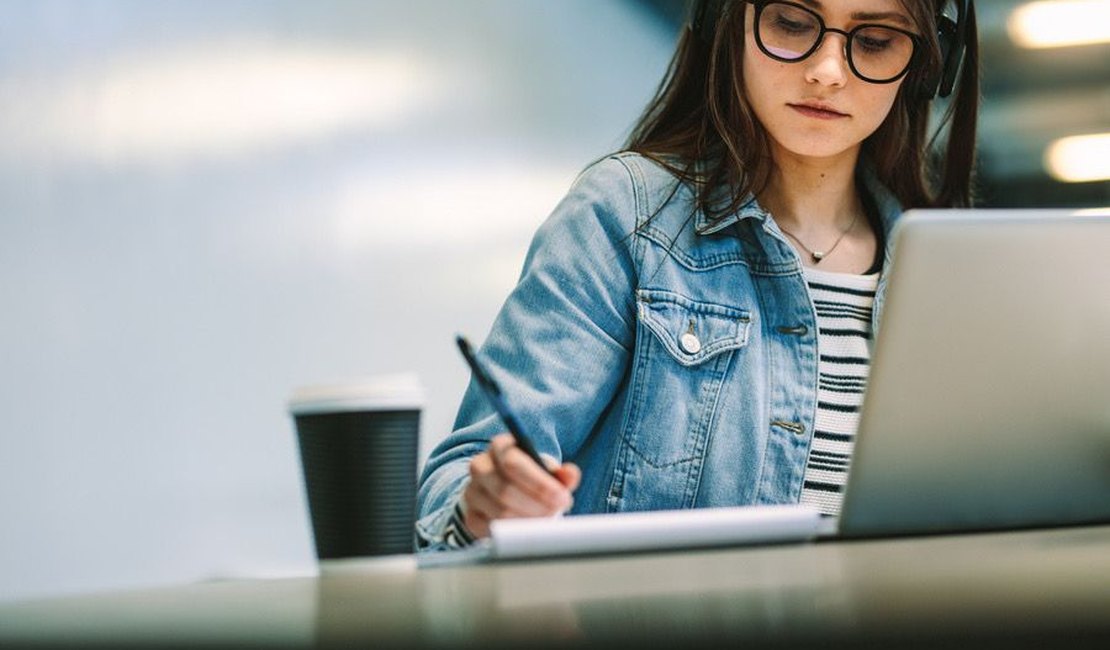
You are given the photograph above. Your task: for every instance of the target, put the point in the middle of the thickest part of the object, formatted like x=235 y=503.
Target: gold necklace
x=820 y=255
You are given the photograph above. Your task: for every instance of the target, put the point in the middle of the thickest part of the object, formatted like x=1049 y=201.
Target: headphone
x=951 y=33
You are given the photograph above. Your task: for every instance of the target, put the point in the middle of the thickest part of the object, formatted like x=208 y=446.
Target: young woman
x=692 y=325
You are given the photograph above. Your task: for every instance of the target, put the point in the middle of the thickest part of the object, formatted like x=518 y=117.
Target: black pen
x=493 y=392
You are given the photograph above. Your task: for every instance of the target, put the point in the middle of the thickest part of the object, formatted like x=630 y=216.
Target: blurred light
x=1080 y=158
x=446 y=206
x=247 y=97
x=216 y=99
x=1060 y=23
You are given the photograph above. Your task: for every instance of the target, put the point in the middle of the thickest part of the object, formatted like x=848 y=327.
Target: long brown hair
x=701 y=128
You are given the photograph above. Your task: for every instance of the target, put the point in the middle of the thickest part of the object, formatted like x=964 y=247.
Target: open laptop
x=988 y=402
x=987 y=407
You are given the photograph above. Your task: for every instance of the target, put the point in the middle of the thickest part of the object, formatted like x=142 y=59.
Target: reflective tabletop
x=1024 y=587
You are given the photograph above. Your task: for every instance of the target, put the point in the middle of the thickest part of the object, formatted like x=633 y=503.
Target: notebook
x=987 y=408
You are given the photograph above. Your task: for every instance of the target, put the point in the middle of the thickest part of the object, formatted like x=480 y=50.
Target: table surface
x=1010 y=588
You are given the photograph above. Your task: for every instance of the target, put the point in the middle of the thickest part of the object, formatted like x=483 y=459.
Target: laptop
x=987 y=407
x=988 y=401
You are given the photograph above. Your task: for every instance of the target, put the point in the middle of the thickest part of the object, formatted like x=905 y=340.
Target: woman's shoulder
x=630 y=167
x=631 y=179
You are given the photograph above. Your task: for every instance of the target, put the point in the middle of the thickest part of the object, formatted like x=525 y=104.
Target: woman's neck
x=809 y=195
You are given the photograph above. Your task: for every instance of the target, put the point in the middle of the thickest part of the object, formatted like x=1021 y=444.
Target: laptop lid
x=988 y=403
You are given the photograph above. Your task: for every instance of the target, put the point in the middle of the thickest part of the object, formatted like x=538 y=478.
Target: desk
x=996 y=590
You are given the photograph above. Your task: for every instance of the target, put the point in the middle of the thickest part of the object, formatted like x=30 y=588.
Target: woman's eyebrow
x=895 y=16
x=883 y=15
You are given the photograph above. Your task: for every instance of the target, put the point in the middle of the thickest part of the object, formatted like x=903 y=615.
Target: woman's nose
x=829 y=64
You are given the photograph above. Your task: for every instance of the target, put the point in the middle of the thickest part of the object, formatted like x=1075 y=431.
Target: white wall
x=204 y=205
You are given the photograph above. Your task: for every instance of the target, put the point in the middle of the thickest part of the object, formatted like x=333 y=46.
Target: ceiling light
x=1060 y=23
x=1080 y=158
x=241 y=97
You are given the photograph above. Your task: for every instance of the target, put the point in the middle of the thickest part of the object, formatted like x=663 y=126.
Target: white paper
x=639 y=531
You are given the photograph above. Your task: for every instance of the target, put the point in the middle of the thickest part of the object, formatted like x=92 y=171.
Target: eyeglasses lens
x=790 y=33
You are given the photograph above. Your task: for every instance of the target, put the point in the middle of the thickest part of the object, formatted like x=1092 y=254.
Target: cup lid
x=383 y=392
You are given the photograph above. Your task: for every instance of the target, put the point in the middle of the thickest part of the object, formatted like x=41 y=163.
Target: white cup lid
x=381 y=393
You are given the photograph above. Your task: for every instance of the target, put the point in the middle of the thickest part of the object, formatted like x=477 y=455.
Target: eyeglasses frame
x=848 y=35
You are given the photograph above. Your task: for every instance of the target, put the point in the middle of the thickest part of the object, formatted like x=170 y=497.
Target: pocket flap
x=693 y=331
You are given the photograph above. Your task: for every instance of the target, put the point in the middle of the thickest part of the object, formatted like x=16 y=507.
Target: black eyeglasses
x=789 y=32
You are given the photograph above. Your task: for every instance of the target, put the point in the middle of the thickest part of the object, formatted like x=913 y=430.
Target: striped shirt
x=843 y=302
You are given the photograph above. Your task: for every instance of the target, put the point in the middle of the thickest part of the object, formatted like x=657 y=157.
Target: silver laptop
x=988 y=403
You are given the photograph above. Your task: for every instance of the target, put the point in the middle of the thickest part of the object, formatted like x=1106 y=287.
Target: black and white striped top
x=843 y=302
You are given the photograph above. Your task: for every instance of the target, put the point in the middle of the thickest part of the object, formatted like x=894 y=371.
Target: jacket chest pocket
x=682 y=357
x=691 y=331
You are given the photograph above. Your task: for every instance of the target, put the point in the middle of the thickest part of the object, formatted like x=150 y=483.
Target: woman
x=692 y=325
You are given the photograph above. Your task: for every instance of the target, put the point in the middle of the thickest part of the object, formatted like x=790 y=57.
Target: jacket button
x=690 y=343
x=797 y=330
x=797 y=428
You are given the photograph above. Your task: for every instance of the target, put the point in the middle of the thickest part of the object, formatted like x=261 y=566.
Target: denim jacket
x=672 y=358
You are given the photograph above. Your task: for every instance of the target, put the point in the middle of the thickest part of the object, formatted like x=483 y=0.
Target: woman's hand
x=506 y=483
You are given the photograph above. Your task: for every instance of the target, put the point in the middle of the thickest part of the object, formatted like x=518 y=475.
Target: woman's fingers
x=505 y=501
x=506 y=483
x=570 y=475
x=522 y=474
x=476 y=511
x=495 y=496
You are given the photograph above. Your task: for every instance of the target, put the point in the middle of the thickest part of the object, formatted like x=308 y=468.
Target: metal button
x=797 y=428
x=690 y=343
x=797 y=330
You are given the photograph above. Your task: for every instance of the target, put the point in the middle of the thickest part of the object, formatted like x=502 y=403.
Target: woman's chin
x=822 y=149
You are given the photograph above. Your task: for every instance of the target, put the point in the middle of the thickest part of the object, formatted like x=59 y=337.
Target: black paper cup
x=358 y=445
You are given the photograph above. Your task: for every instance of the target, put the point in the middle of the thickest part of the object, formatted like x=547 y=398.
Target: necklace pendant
x=818 y=256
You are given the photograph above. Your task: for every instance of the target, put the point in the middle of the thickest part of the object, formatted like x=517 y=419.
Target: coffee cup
x=358 y=448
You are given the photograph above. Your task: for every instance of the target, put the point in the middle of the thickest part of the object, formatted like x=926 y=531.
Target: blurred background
x=204 y=205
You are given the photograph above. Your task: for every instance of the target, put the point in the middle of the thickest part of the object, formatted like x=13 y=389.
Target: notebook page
x=641 y=531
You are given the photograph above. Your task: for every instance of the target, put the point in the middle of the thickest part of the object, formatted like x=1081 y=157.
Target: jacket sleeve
x=560 y=345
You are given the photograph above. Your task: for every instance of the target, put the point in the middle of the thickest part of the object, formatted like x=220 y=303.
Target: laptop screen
x=988 y=404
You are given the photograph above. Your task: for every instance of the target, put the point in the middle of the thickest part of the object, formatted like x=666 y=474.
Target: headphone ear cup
x=953 y=53
x=951 y=23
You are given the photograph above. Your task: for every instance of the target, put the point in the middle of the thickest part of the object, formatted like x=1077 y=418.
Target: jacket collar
x=749 y=210
x=888 y=206
x=890 y=209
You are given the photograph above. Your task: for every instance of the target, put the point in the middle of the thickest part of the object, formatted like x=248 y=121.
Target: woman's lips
x=817 y=112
